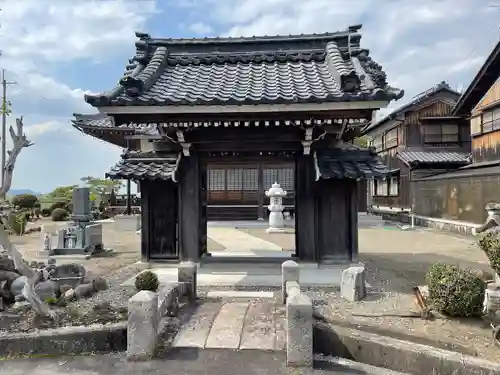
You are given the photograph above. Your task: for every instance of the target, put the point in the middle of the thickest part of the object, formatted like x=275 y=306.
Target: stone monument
x=83 y=236
x=276 y=218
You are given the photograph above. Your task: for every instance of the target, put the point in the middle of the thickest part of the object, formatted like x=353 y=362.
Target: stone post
x=299 y=332
x=290 y=271
x=276 y=219
x=142 y=328
x=352 y=285
x=187 y=273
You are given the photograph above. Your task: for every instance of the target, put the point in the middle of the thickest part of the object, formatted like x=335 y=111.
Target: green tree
x=62 y=192
x=27 y=201
x=102 y=187
x=6 y=108
x=361 y=141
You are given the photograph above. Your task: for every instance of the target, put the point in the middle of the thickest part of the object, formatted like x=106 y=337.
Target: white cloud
x=419 y=44
x=200 y=28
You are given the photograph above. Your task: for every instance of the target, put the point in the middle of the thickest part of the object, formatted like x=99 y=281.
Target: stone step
x=255 y=324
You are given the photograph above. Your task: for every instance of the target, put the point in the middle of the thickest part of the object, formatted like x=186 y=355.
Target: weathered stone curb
x=96 y=338
x=397 y=355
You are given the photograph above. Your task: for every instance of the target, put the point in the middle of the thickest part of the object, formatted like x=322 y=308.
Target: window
x=490 y=120
x=381 y=187
x=216 y=179
x=250 y=179
x=394 y=186
x=441 y=133
x=391 y=138
x=283 y=176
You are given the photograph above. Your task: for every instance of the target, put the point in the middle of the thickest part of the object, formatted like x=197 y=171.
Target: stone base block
x=128 y=223
x=276 y=230
x=352 y=286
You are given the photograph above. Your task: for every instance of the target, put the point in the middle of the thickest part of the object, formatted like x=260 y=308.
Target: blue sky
x=56 y=50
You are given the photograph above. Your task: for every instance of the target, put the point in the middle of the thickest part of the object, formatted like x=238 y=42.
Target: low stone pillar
x=187 y=273
x=299 y=332
x=352 y=285
x=290 y=271
x=142 y=327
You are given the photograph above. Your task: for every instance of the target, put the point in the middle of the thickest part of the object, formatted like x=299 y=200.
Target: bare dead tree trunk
x=19 y=142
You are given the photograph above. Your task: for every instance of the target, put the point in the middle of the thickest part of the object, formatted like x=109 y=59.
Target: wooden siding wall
x=485 y=147
x=461 y=198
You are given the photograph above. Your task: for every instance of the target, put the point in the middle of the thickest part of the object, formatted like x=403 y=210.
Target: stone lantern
x=276 y=220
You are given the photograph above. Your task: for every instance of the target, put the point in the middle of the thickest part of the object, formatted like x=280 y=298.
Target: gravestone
x=82 y=237
x=352 y=285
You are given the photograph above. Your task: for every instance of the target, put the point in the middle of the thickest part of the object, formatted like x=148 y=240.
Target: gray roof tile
x=351 y=164
x=143 y=167
x=103 y=122
x=434 y=157
x=272 y=70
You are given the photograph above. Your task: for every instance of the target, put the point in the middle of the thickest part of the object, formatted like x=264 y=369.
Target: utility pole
x=5 y=112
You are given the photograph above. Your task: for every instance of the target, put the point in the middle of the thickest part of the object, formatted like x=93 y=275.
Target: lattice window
x=285 y=178
x=441 y=133
x=391 y=138
x=216 y=179
x=490 y=120
x=250 y=179
x=270 y=176
x=234 y=179
x=381 y=187
x=394 y=186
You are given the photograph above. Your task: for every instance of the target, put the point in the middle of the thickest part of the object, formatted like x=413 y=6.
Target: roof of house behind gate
x=329 y=67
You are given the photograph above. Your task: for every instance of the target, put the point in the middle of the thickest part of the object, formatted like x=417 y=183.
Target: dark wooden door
x=162 y=220
x=333 y=221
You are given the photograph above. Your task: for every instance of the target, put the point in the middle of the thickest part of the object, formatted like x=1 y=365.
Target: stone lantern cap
x=276 y=191
x=493 y=206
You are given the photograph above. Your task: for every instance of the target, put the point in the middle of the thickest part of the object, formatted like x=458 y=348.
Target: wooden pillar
x=305 y=211
x=145 y=230
x=261 y=192
x=353 y=224
x=129 y=199
x=189 y=208
x=159 y=220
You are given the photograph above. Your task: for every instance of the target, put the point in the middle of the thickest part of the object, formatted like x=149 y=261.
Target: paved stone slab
x=259 y=331
x=228 y=326
x=237 y=240
x=194 y=333
x=239 y=294
x=279 y=321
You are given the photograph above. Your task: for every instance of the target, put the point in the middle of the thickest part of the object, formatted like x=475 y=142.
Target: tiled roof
x=417 y=100
x=434 y=157
x=103 y=122
x=143 y=168
x=329 y=67
x=352 y=164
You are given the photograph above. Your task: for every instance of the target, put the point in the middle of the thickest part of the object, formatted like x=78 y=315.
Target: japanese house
x=419 y=139
x=462 y=195
x=263 y=108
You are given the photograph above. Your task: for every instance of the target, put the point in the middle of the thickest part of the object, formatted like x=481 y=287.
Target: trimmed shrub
x=454 y=291
x=26 y=201
x=37 y=212
x=490 y=244
x=61 y=203
x=46 y=212
x=16 y=222
x=37 y=205
x=147 y=280
x=59 y=214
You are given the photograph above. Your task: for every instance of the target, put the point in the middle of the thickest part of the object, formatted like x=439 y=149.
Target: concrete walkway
x=234 y=240
x=234 y=324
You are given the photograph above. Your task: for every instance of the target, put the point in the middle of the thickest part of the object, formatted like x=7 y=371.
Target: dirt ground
x=126 y=246
x=396 y=261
